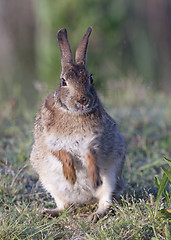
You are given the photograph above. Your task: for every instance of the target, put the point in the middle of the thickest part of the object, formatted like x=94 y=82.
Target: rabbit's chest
x=77 y=145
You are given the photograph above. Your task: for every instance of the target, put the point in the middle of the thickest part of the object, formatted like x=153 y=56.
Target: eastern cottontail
x=78 y=151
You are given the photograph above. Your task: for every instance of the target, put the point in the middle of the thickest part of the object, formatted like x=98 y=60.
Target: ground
x=144 y=118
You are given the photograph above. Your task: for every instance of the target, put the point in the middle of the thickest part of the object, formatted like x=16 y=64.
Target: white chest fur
x=76 y=144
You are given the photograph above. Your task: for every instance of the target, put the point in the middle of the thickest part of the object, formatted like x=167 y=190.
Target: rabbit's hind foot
x=52 y=212
x=95 y=217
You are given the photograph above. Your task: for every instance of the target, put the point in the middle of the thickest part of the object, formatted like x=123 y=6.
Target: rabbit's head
x=76 y=93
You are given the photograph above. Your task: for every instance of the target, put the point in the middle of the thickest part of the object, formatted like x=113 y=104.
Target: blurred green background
x=131 y=40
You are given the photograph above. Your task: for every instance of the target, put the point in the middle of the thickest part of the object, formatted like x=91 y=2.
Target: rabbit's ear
x=66 y=54
x=81 y=52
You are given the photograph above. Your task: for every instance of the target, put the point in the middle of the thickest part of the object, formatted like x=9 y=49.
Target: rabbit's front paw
x=93 y=170
x=94 y=177
x=69 y=173
x=68 y=165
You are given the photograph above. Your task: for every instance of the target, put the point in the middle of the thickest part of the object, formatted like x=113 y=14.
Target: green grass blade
x=166 y=194
x=168 y=161
x=167 y=233
x=167 y=172
x=162 y=186
x=149 y=165
x=150 y=210
x=157 y=182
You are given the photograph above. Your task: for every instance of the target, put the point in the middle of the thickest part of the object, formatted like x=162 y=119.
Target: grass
x=144 y=120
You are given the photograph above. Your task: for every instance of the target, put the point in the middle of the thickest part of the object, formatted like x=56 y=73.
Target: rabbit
x=78 y=152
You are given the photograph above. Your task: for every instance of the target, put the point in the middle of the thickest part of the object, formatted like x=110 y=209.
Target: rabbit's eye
x=63 y=82
x=91 y=78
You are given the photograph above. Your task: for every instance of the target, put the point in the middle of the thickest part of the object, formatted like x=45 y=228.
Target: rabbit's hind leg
x=105 y=195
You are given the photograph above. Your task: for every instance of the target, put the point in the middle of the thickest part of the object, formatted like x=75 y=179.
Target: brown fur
x=68 y=166
x=75 y=138
x=77 y=123
x=93 y=169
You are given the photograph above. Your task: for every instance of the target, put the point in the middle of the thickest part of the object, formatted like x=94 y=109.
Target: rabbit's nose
x=83 y=100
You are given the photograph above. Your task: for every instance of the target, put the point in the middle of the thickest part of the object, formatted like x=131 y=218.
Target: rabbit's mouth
x=85 y=108
x=81 y=108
